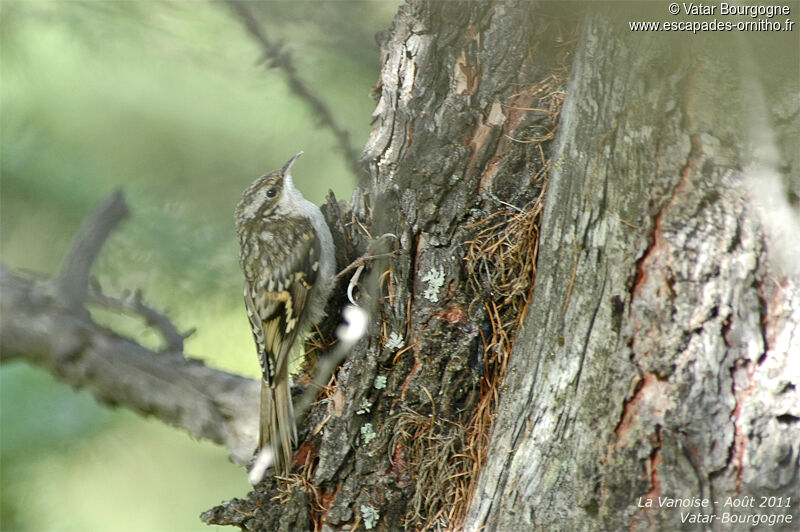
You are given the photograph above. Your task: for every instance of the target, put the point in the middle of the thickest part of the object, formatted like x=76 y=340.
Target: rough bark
x=460 y=82
x=657 y=356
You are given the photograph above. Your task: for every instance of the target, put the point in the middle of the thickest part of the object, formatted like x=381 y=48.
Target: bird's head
x=269 y=197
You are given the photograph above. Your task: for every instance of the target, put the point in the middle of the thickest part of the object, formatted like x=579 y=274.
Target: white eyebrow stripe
x=252 y=207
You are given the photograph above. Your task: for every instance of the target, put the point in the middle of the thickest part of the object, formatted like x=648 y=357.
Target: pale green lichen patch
x=435 y=280
x=368 y=433
x=365 y=407
x=395 y=341
x=370 y=516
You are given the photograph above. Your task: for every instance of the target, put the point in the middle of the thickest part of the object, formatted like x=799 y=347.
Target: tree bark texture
x=659 y=355
x=463 y=125
x=659 y=347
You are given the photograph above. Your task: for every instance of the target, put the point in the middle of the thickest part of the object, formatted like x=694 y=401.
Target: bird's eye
x=271 y=193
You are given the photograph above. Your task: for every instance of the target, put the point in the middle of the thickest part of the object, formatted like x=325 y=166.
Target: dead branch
x=46 y=323
x=39 y=328
x=132 y=303
x=73 y=279
x=277 y=57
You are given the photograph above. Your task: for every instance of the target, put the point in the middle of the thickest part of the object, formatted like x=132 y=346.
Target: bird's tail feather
x=277 y=428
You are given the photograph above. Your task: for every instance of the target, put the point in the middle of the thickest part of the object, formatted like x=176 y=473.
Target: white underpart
x=293 y=202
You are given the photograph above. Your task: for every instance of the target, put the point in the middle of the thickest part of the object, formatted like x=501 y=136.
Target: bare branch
x=72 y=282
x=279 y=58
x=42 y=325
x=207 y=403
x=132 y=303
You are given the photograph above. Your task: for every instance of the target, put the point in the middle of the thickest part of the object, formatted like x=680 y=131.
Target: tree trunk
x=469 y=95
x=653 y=369
x=656 y=361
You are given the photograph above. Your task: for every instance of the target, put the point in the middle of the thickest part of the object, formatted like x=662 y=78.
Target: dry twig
x=51 y=328
x=277 y=57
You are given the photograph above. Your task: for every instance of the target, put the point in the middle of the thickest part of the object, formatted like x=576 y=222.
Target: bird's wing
x=276 y=298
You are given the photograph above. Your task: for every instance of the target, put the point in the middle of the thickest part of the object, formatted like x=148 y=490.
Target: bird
x=287 y=256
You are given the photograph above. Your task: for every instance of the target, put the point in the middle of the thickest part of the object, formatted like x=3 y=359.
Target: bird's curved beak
x=290 y=162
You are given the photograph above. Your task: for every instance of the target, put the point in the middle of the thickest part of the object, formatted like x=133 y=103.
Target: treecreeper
x=288 y=259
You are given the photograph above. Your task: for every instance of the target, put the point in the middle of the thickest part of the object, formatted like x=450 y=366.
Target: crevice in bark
x=676 y=366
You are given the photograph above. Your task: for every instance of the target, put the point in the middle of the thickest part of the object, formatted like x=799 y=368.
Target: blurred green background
x=167 y=101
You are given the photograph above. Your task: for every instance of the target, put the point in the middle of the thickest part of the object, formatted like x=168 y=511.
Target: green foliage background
x=166 y=100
